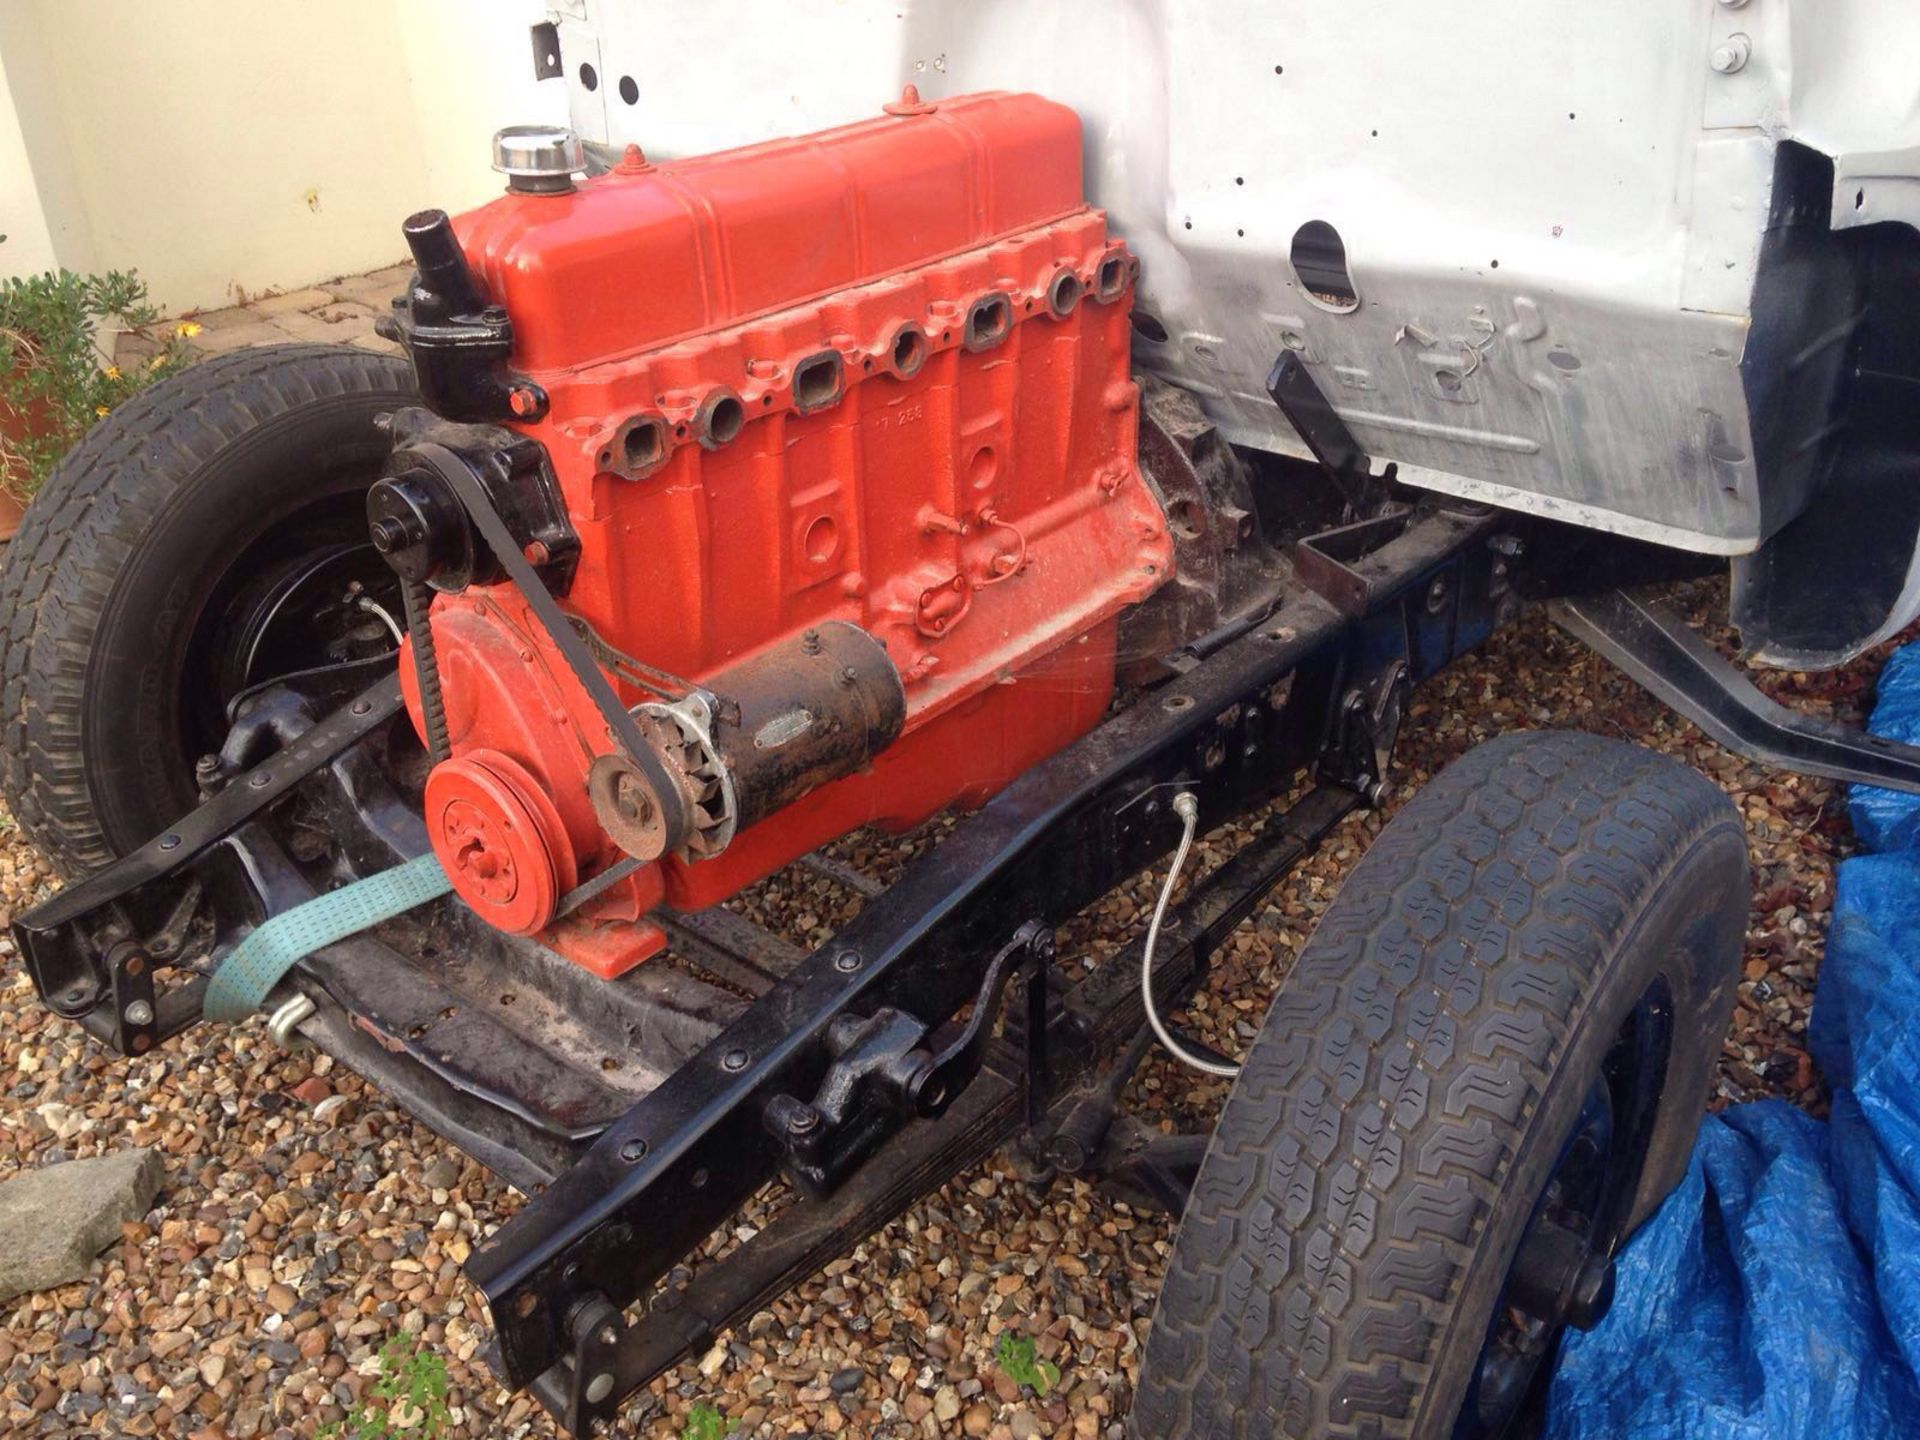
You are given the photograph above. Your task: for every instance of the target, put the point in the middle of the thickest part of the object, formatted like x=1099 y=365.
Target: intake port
x=908 y=352
x=817 y=382
x=1063 y=295
x=722 y=417
x=988 y=320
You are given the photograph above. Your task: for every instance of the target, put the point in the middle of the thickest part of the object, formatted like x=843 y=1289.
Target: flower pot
x=30 y=421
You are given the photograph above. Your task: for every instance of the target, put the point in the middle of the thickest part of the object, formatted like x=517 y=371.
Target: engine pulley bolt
x=538 y=159
x=630 y=797
x=391 y=532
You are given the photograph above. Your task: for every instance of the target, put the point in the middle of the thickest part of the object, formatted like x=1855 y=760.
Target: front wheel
x=1486 y=1068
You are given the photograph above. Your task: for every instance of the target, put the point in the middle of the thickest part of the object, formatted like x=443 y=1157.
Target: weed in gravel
x=1015 y=1354
x=704 y=1423
x=409 y=1398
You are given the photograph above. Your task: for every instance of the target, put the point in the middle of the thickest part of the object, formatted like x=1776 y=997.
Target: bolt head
x=1731 y=57
x=139 y=1013
x=599 y=1388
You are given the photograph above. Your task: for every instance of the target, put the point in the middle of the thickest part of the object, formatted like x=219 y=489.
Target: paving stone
x=293 y=302
x=232 y=317
x=260 y=332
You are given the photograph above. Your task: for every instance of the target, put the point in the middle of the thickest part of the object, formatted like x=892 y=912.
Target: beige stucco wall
x=229 y=147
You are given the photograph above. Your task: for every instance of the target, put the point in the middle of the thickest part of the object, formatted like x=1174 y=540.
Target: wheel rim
x=309 y=592
x=1561 y=1275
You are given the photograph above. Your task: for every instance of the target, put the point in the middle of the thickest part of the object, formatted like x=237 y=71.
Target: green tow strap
x=245 y=978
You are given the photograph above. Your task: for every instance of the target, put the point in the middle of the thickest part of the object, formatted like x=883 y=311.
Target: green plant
x=53 y=385
x=408 y=1400
x=703 y=1423
x=1015 y=1354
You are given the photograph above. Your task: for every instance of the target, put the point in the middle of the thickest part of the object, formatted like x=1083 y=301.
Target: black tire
x=1347 y=1245
x=198 y=488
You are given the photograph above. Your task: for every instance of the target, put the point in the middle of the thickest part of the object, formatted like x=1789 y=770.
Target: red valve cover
x=876 y=375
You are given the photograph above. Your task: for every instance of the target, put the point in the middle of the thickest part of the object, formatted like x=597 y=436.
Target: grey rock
x=54 y=1220
x=442 y=1174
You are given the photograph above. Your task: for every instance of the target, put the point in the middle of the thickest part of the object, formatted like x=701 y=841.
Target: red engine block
x=878 y=375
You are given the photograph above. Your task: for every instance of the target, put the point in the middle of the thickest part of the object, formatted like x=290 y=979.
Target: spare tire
x=201 y=539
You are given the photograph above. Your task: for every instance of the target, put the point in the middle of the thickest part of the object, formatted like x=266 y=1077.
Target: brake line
x=1188 y=809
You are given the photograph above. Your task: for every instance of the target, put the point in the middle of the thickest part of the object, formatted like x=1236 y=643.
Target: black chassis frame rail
x=1310 y=682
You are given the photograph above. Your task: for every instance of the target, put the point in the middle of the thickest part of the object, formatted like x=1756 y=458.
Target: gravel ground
x=307 y=1220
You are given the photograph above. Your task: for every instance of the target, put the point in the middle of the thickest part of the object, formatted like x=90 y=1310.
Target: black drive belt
x=620 y=724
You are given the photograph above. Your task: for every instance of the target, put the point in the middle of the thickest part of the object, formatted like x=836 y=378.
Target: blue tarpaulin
x=1776 y=1295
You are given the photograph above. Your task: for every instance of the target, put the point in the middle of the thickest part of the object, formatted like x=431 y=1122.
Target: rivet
x=633 y=1150
x=361 y=707
x=261 y=781
x=599 y=1388
x=847 y=961
x=169 y=842
x=735 y=1059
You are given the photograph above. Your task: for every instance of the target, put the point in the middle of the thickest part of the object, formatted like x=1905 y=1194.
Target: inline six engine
x=760 y=496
